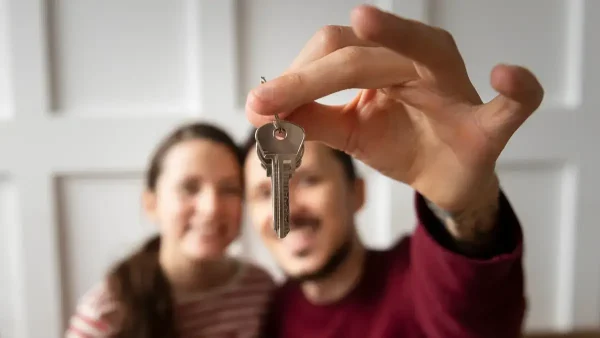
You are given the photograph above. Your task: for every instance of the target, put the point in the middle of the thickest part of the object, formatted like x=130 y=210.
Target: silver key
x=267 y=166
x=280 y=156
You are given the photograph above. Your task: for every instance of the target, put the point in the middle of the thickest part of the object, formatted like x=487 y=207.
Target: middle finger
x=326 y=41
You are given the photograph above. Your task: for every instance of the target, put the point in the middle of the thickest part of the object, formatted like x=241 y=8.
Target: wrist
x=473 y=225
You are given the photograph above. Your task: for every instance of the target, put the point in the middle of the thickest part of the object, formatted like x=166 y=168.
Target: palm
x=405 y=144
x=380 y=125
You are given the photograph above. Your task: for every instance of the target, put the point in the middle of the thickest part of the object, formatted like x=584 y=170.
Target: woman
x=181 y=283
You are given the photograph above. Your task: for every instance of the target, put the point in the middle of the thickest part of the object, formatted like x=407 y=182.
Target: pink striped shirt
x=233 y=310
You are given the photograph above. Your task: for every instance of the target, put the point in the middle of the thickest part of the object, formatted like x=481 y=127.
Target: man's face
x=322 y=206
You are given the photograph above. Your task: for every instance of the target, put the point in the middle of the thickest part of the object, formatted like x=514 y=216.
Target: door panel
x=88 y=88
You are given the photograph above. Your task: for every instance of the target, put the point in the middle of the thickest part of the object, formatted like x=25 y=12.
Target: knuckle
x=353 y=60
x=295 y=79
x=450 y=57
x=331 y=37
x=446 y=37
x=353 y=54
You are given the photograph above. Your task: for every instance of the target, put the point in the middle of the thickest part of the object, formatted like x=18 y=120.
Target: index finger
x=430 y=46
x=348 y=68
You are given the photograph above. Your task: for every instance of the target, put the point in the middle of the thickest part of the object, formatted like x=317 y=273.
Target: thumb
x=520 y=94
x=331 y=125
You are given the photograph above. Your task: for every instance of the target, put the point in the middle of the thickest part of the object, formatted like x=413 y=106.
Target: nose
x=208 y=203
x=295 y=200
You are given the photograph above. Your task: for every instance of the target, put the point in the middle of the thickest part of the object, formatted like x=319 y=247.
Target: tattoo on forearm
x=473 y=229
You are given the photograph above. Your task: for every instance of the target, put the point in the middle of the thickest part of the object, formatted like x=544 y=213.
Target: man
x=418 y=120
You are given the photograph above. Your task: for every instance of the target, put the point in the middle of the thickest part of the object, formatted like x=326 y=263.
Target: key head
x=288 y=141
x=264 y=162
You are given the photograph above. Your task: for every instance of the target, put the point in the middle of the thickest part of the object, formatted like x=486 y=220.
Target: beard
x=335 y=260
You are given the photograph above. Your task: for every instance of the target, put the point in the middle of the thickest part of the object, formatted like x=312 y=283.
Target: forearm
x=475 y=228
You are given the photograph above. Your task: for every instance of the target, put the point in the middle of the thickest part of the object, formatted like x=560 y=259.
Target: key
x=267 y=166
x=280 y=148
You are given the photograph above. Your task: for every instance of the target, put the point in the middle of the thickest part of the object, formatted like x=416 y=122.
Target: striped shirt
x=233 y=310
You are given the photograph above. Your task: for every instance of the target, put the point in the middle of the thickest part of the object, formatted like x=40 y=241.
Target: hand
x=418 y=119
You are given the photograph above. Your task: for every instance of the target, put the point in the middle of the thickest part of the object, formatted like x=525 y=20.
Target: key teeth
x=283 y=232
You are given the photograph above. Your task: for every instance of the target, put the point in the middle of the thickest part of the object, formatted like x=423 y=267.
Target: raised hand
x=418 y=119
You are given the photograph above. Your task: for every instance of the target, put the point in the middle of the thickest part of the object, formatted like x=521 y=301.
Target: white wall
x=80 y=80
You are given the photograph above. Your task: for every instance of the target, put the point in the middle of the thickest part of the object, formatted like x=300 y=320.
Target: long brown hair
x=138 y=283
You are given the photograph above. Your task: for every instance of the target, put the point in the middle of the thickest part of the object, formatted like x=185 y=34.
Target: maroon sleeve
x=467 y=297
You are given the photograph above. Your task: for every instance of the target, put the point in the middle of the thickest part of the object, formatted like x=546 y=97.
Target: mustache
x=203 y=223
x=302 y=220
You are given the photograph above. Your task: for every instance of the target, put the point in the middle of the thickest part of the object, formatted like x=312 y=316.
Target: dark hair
x=345 y=159
x=138 y=283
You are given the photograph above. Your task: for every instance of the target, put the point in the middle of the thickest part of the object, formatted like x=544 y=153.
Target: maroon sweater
x=421 y=287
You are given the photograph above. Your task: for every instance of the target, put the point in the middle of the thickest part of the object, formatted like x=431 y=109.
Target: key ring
x=276 y=122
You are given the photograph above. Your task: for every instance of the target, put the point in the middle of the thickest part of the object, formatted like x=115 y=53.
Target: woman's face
x=198 y=199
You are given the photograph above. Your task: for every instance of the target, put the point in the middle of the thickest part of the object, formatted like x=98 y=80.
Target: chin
x=301 y=272
x=203 y=247
x=204 y=253
x=307 y=266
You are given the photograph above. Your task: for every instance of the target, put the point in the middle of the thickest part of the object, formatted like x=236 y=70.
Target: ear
x=359 y=194
x=149 y=204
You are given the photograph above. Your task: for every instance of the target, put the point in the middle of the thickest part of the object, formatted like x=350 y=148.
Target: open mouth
x=304 y=222
x=303 y=234
x=204 y=230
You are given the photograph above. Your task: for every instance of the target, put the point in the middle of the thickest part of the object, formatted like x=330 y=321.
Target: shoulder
x=95 y=314
x=256 y=271
x=397 y=252
x=253 y=274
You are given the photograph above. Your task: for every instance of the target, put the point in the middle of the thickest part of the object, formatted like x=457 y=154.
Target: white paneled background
x=8 y=271
x=87 y=88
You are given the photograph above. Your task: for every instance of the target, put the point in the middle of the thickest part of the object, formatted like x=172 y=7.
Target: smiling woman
x=180 y=283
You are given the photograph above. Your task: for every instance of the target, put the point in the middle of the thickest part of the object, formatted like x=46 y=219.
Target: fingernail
x=258 y=100
x=264 y=92
x=253 y=103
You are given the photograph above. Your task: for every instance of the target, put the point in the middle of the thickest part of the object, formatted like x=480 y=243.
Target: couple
x=418 y=120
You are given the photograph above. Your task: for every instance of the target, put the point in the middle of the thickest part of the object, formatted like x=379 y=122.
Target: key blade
x=281 y=196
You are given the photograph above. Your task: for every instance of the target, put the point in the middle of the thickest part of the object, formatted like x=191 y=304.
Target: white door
x=88 y=87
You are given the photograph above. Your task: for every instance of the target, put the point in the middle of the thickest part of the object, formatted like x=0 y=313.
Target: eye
x=309 y=180
x=190 y=187
x=263 y=192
